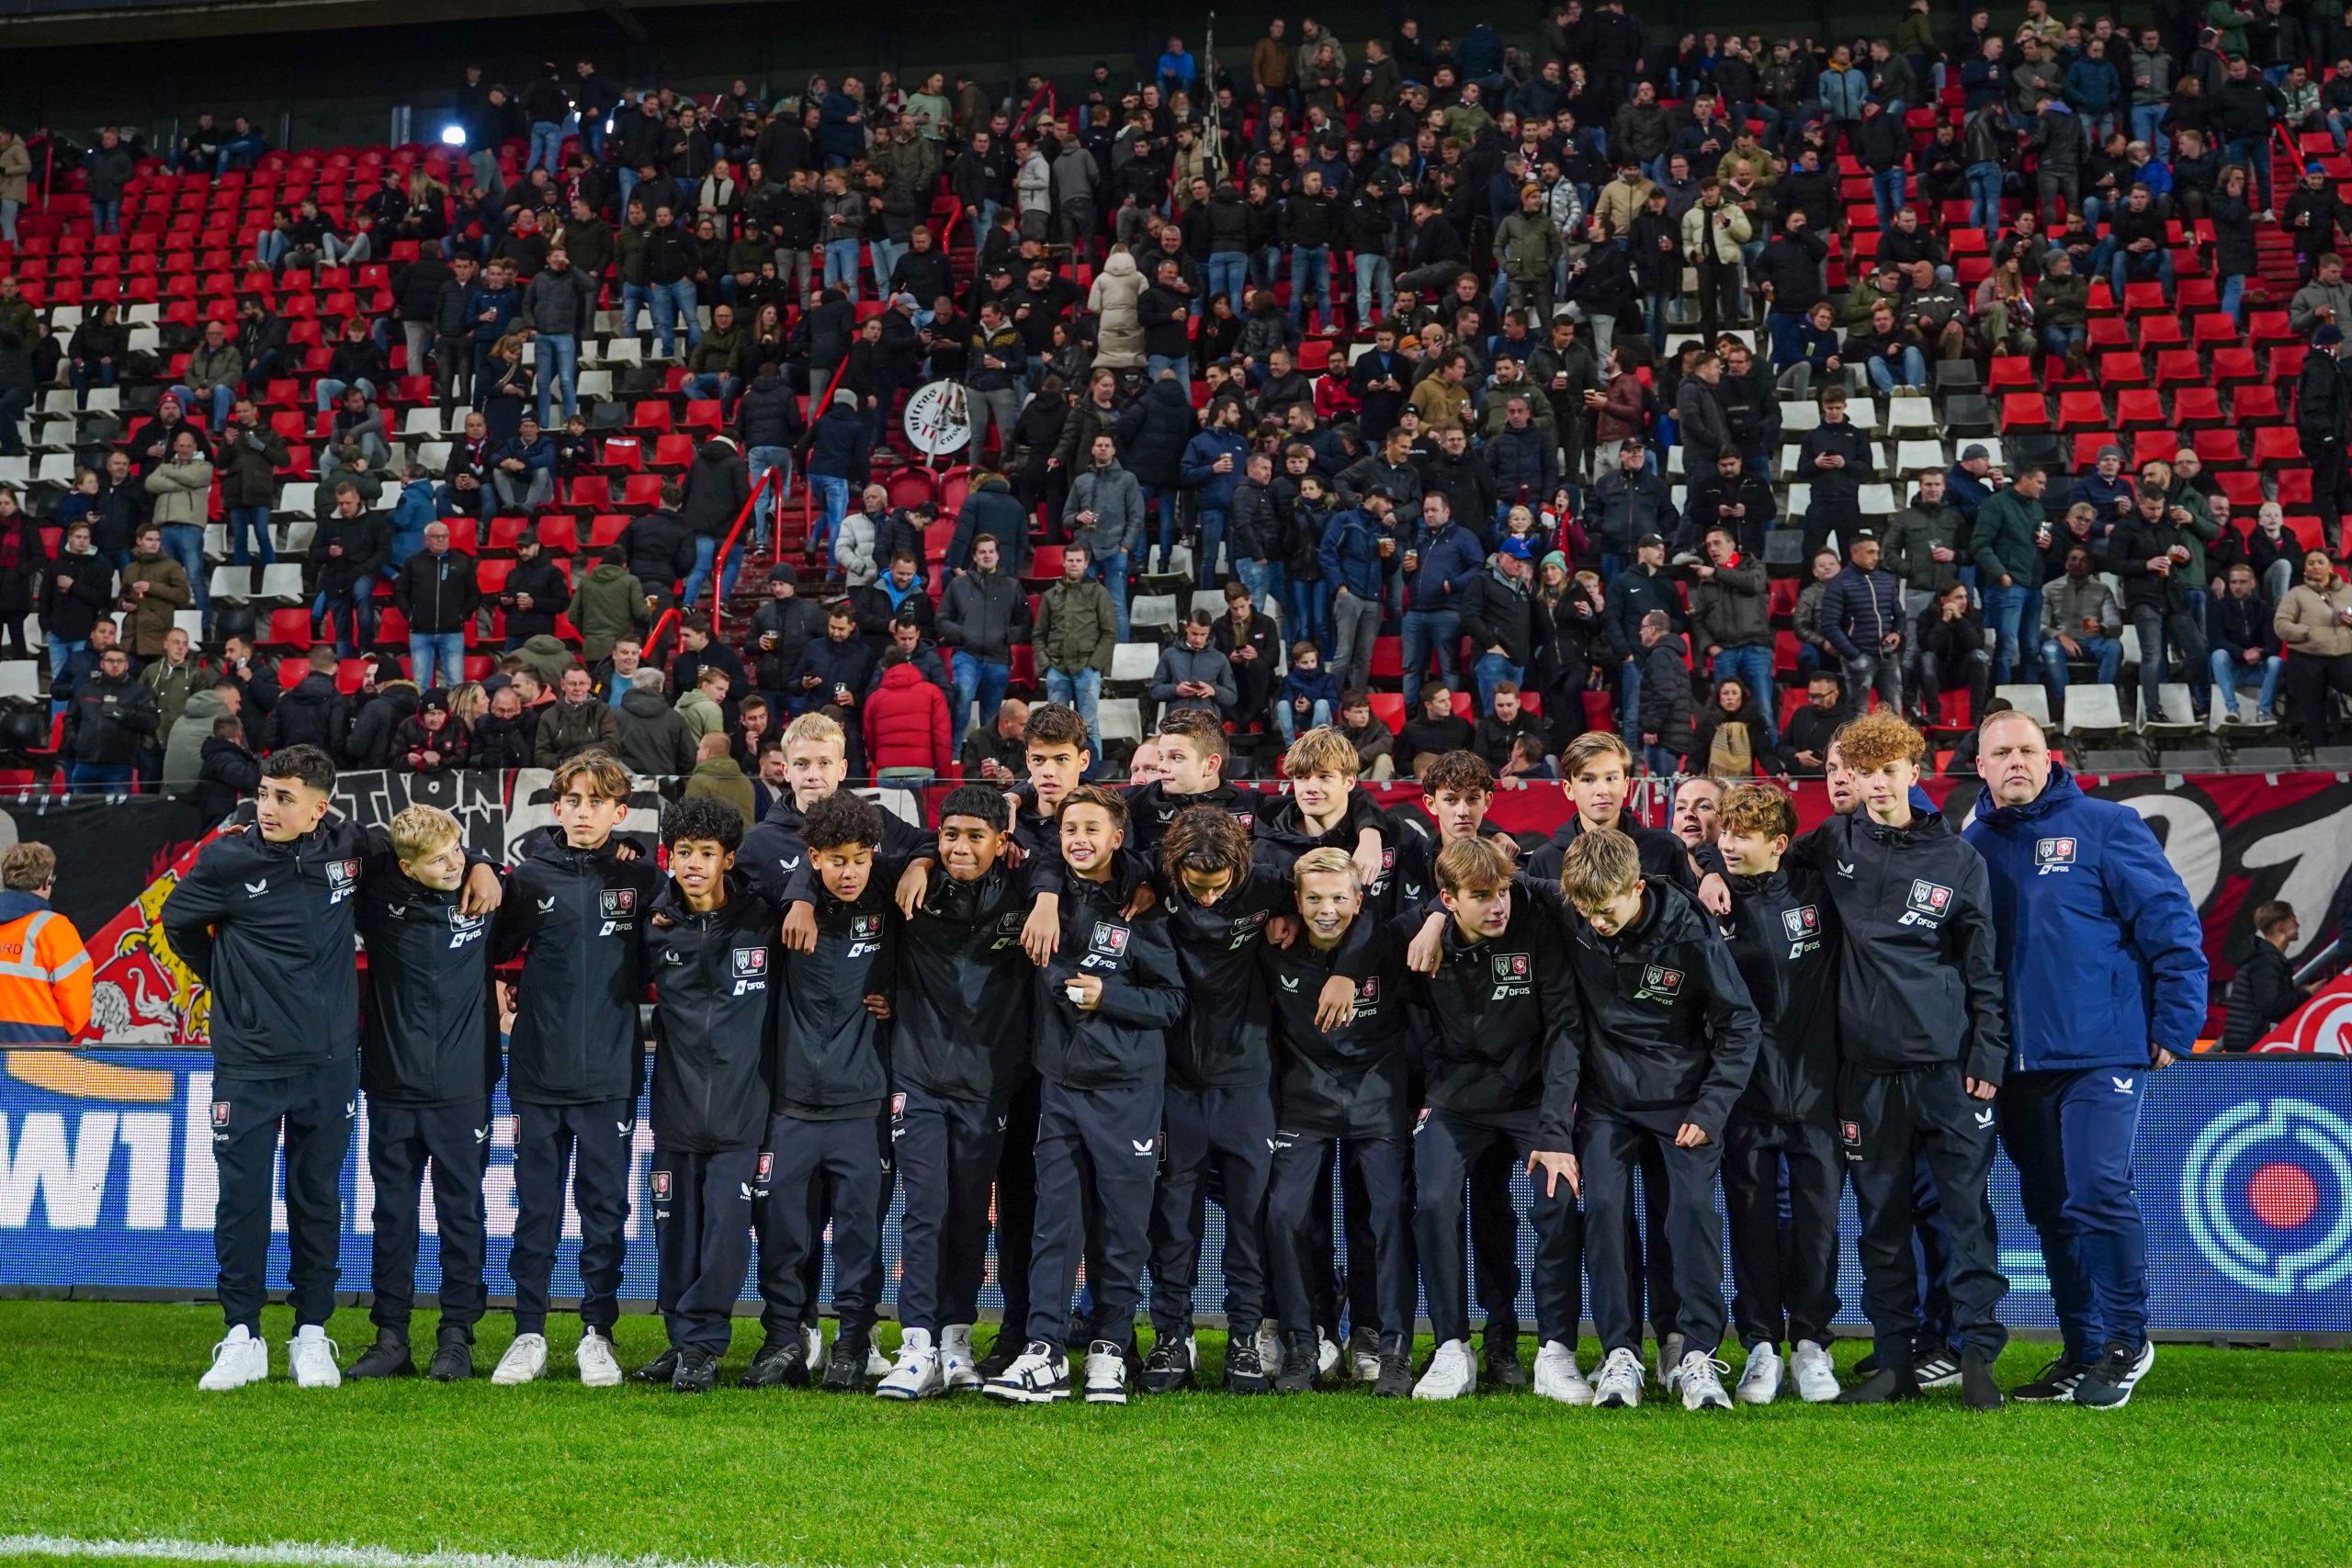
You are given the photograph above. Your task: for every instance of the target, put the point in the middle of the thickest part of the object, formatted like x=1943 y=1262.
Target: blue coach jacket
x=2098 y=941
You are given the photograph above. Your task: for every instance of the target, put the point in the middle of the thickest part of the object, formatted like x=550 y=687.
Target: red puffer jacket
x=906 y=723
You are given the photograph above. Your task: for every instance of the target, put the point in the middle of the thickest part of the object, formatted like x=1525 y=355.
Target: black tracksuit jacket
x=960 y=1013
x=270 y=929
x=831 y=1056
x=777 y=863
x=1784 y=936
x=712 y=999
x=1225 y=1038
x=428 y=1034
x=1349 y=1082
x=1917 y=983
x=1152 y=809
x=1668 y=1023
x=1662 y=854
x=1281 y=836
x=576 y=1039
x=1501 y=1012
x=1122 y=1041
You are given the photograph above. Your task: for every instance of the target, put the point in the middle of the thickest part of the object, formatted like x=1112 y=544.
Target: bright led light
x=453 y=136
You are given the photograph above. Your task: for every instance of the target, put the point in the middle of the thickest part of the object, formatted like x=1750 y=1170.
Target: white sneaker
x=1327 y=1355
x=599 y=1368
x=1106 y=1373
x=309 y=1359
x=1759 y=1380
x=1701 y=1379
x=1670 y=1360
x=1269 y=1343
x=1039 y=1375
x=812 y=1337
x=1814 y=1373
x=238 y=1360
x=917 y=1374
x=1618 y=1385
x=877 y=1365
x=1556 y=1376
x=959 y=1369
x=524 y=1361
x=1451 y=1373
x=1364 y=1358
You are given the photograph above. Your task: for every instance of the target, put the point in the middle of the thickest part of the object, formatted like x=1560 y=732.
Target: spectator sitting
x=1526 y=764
x=429 y=740
x=1435 y=730
x=1191 y=674
x=997 y=753
x=1310 y=693
x=2244 y=645
x=501 y=735
x=1374 y=742
x=577 y=722
x=702 y=705
x=2107 y=489
x=1499 y=731
x=226 y=771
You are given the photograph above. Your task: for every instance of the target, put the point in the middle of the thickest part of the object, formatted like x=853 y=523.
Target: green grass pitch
x=2222 y=1457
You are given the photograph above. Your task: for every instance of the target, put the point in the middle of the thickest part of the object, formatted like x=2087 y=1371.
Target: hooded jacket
x=907 y=722
x=718 y=487
x=577 y=913
x=2094 y=936
x=654 y=737
x=709 y=971
x=1223 y=1039
x=1351 y=1082
x=427 y=1033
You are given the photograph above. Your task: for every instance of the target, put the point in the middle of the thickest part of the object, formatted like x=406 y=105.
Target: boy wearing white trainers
x=1668 y=1040
x=1783 y=933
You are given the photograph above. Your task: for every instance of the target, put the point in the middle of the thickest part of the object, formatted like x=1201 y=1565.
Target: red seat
x=2122 y=368
x=653 y=413
x=641 y=490
x=2080 y=410
x=910 y=487
x=2139 y=407
x=605 y=530
x=2218 y=447
x=492 y=575
x=1388 y=658
x=702 y=413
x=2214 y=330
x=675 y=451
x=290 y=628
x=592 y=491
x=560 y=531
x=2009 y=372
x=2197 y=405
x=2275 y=445
x=2250 y=405
x=1389 y=708
x=2180 y=367
x=2233 y=365
x=625 y=452
x=2024 y=411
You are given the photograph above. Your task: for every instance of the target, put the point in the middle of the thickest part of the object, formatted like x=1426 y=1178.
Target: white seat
x=2028 y=697
x=56 y=468
x=1799 y=415
x=146 y=337
x=1918 y=456
x=63 y=319
x=1134 y=662
x=106 y=400
x=20 y=678
x=234 y=584
x=2129 y=641
x=1800 y=500
x=607 y=323
x=144 y=315
x=1153 y=610
x=281 y=579
x=192 y=623
x=298 y=498
x=1876 y=500
x=1674 y=461
x=2180 y=712
x=1910 y=414
x=1862 y=413
x=58 y=403
x=1791 y=456
x=1119 y=718
x=622 y=351
x=433 y=456
x=216 y=541
x=17 y=472
x=596 y=384
x=297 y=541
x=2090 y=706
x=422 y=422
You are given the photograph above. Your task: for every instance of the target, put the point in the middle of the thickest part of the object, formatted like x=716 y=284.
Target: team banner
x=107 y=1186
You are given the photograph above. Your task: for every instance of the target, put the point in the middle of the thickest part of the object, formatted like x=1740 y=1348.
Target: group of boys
x=1074 y=1014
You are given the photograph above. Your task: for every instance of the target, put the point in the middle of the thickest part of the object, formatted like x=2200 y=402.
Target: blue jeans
x=672 y=301
x=546 y=147
x=1427 y=631
x=437 y=658
x=635 y=296
x=2106 y=650
x=2233 y=674
x=329 y=391
x=980 y=681
x=252 y=520
x=1111 y=572
x=558 y=361
x=1309 y=603
x=2005 y=610
x=1985 y=198
x=706 y=555
x=2146 y=119
x=222 y=398
x=58 y=652
x=106 y=217
x=1665 y=764
x=1083 y=691
x=355 y=603
x=1629 y=702
x=1914 y=372
x=1310 y=274
x=1752 y=663
x=841 y=266
x=885 y=254
x=238 y=152
x=1286 y=719
x=1889 y=189
x=2251 y=153
x=1376 y=279
x=1205 y=555
x=269 y=247
x=1490 y=670
x=1228 y=273
x=831 y=492
x=761 y=459
x=111 y=777
x=2232 y=296
x=1267 y=581
x=2062 y=341
x=184 y=542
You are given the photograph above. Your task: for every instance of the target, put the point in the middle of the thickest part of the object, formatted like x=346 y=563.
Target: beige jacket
x=16 y=168
x=2306 y=620
x=183 y=492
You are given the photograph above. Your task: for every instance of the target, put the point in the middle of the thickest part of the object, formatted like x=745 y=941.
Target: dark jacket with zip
x=710 y=974
x=578 y=912
x=1784 y=936
x=1123 y=1040
x=1349 y=1082
x=270 y=929
x=1223 y=1041
x=427 y=1033
x=830 y=1060
x=960 y=1011
x=1503 y=1011
x=777 y=863
x=1670 y=1032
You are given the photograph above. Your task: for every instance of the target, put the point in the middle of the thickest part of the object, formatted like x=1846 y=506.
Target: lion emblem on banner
x=144 y=990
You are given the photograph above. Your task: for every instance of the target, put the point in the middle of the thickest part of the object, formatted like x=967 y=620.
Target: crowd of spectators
x=1494 y=351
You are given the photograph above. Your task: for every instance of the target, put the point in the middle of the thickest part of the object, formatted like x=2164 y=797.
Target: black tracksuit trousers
x=1609 y=1150
x=703 y=1208
x=1446 y=1147
x=945 y=1153
x=1233 y=1130
x=597 y=1142
x=1298 y=1228
x=315 y=1111
x=1786 y=1282
x=455 y=1139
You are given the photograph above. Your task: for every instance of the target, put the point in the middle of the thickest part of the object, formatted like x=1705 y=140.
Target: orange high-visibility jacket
x=45 y=973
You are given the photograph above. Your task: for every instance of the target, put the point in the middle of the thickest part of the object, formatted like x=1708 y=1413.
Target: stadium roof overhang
x=33 y=24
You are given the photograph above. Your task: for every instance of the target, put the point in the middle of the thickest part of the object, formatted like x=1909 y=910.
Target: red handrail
x=771 y=479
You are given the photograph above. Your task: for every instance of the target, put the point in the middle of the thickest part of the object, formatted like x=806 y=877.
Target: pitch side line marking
x=302 y=1555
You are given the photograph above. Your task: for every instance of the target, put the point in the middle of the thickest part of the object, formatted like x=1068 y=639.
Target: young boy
x=708 y=949
x=827 y=1134
x=960 y=1043
x=1784 y=935
x=1343 y=1081
x=428 y=1055
x=1668 y=1040
x=1193 y=747
x=1503 y=1009
x=1309 y=697
x=1597 y=773
x=1325 y=808
x=575 y=1058
x=1219 y=1108
x=1103 y=1004
x=1924 y=1040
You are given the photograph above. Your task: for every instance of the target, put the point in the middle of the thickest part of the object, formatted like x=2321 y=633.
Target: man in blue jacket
x=1441 y=562
x=1353 y=565
x=1214 y=463
x=2105 y=961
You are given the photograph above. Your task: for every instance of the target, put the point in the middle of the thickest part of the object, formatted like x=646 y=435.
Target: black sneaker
x=695 y=1370
x=388 y=1357
x=1395 y=1380
x=1300 y=1356
x=662 y=1369
x=1001 y=1354
x=1977 y=1388
x=1502 y=1365
x=453 y=1361
x=781 y=1363
x=1244 y=1372
x=1935 y=1366
x=846 y=1369
x=1890 y=1385
x=1169 y=1365
x=2108 y=1385
x=2054 y=1385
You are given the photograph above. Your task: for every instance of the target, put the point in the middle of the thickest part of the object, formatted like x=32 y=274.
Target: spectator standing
x=45 y=972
